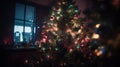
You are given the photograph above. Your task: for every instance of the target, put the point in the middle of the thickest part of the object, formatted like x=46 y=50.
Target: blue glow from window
x=20 y=29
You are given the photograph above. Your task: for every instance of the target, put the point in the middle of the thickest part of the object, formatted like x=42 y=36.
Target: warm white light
x=55 y=28
x=69 y=11
x=58 y=12
x=95 y=36
x=97 y=25
x=57 y=18
x=79 y=31
x=26 y=61
x=63 y=2
x=55 y=25
x=99 y=53
x=59 y=3
x=73 y=34
x=53 y=13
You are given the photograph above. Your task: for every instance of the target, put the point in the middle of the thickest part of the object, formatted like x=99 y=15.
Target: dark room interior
x=59 y=33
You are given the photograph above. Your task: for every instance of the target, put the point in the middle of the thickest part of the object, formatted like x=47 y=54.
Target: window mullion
x=24 y=20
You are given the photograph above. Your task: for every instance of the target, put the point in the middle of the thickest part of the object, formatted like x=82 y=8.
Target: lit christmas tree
x=66 y=32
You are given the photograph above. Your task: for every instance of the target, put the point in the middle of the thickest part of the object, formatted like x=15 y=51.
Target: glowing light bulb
x=87 y=39
x=56 y=49
x=78 y=46
x=97 y=25
x=57 y=18
x=48 y=56
x=59 y=3
x=95 y=36
x=38 y=27
x=26 y=61
x=43 y=48
x=82 y=41
x=99 y=53
x=43 y=26
x=44 y=40
x=58 y=12
x=55 y=28
x=46 y=36
x=76 y=42
x=70 y=50
x=50 y=41
x=79 y=31
x=63 y=2
x=68 y=30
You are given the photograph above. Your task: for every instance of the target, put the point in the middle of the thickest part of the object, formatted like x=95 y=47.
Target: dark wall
x=41 y=14
x=110 y=11
x=6 y=21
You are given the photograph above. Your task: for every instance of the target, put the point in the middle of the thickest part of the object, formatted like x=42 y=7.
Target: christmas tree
x=64 y=31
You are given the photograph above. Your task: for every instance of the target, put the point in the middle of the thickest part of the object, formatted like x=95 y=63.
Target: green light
x=78 y=46
x=95 y=42
x=70 y=6
x=56 y=49
x=43 y=48
x=76 y=10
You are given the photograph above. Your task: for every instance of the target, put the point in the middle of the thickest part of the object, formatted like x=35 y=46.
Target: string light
x=43 y=48
x=70 y=50
x=58 y=12
x=55 y=28
x=78 y=46
x=95 y=36
x=59 y=3
x=97 y=25
x=64 y=3
x=57 y=17
x=76 y=42
x=79 y=31
x=48 y=56
x=44 y=40
x=100 y=51
x=56 y=49
x=59 y=9
x=26 y=61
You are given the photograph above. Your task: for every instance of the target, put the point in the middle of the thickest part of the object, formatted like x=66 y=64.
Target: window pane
x=29 y=13
x=29 y=24
x=19 y=28
x=19 y=11
x=28 y=30
x=19 y=22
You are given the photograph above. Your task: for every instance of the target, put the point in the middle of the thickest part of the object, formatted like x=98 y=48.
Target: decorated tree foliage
x=64 y=29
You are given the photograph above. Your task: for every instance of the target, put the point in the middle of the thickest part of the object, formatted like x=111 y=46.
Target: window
x=24 y=27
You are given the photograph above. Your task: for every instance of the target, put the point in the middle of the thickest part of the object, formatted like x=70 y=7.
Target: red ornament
x=52 y=18
x=75 y=16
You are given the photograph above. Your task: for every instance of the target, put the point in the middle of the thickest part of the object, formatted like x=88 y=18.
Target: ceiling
x=82 y=4
x=42 y=2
